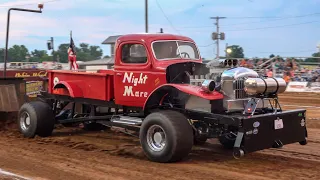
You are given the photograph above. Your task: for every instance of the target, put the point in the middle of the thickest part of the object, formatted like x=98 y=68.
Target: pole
x=7 y=36
x=146 y=15
x=217 y=30
x=6 y=48
x=52 y=49
x=217 y=24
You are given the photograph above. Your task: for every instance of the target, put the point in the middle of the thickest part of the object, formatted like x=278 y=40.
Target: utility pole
x=217 y=35
x=146 y=15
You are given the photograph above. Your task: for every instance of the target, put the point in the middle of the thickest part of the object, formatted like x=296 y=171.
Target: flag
x=72 y=55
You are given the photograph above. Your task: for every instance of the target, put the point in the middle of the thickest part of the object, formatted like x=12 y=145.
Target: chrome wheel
x=25 y=121
x=156 y=138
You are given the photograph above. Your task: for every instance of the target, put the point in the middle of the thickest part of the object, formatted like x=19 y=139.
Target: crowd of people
x=288 y=69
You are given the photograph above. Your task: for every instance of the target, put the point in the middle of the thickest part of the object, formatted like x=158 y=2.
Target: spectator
x=243 y=63
x=269 y=73
x=259 y=62
x=287 y=77
x=250 y=64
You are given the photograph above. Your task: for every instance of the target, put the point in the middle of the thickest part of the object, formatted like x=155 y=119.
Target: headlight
x=208 y=85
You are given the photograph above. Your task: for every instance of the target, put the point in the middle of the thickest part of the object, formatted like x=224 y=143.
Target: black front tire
x=178 y=136
x=41 y=119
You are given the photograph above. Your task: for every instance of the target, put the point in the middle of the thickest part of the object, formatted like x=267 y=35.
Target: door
x=133 y=76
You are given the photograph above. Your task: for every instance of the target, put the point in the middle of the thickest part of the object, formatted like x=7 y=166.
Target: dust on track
x=74 y=154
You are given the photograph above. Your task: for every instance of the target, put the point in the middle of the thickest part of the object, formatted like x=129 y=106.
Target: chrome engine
x=232 y=82
x=241 y=84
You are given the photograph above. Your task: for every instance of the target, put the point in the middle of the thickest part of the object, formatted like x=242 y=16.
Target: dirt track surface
x=73 y=154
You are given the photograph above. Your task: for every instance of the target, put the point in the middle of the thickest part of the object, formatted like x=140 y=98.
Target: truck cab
x=141 y=61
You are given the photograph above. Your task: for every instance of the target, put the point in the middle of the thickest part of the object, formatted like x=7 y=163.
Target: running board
x=127 y=120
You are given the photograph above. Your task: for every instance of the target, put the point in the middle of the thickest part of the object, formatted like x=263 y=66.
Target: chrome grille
x=238 y=88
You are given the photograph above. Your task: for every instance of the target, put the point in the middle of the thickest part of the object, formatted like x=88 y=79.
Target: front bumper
x=270 y=130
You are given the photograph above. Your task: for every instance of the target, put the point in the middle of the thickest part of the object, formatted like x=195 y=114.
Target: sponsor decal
x=134 y=81
x=156 y=82
x=55 y=81
x=278 y=123
x=256 y=124
x=255 y=131
x=33 y=88
x=303 y=122
x=31 y=74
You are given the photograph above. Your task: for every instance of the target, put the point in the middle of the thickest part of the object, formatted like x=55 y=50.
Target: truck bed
x=90 y=85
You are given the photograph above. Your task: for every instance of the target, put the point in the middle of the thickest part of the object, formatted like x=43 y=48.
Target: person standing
x=72 y=55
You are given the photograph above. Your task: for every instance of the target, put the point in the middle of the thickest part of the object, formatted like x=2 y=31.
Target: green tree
x=85 y=52
x=236 y=51
x=40 y=56
x=2 y=55
x=314 y=59
x=17 y=53
x=62 y=52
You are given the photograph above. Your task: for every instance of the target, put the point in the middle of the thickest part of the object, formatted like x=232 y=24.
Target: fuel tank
x=255 y=86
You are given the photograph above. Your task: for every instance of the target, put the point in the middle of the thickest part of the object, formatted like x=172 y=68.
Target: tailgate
x=263 y=131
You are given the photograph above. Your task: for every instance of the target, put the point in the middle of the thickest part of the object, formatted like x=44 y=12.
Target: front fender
x=157 y=95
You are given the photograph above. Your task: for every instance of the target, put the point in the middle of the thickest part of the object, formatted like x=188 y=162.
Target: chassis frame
x=245 y=141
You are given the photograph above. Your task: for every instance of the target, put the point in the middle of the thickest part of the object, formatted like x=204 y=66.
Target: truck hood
x=163 y=65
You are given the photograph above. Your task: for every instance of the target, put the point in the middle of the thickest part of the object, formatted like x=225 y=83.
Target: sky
x=260 y=27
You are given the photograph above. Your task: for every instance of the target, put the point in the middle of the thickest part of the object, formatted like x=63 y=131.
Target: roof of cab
x=152 y=37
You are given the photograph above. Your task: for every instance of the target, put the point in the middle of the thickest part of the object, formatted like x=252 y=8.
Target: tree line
x=85 y=52
x=238 y=52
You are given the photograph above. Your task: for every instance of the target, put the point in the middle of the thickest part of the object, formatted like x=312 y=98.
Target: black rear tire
x=41 y=119
x=178 y=136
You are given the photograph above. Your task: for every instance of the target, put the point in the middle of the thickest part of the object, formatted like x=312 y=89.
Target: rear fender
x=68 y=88
x=184 y=91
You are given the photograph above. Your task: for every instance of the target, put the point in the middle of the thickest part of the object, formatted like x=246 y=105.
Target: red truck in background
x=150 y=91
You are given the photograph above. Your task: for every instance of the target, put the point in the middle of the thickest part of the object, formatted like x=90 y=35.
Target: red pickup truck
x=150 y=91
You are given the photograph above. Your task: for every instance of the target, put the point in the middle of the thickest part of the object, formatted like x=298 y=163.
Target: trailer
x=150 y=91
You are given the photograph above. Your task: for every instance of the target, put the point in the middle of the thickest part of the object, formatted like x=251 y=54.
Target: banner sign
x=294 y=86
x=313 y=87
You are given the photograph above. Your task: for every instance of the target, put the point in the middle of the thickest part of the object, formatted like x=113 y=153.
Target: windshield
x=167 y=50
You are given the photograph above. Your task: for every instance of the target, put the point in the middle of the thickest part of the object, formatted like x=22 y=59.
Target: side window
x=133 y=53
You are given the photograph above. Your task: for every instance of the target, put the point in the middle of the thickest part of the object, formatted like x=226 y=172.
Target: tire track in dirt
x=206 y=159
